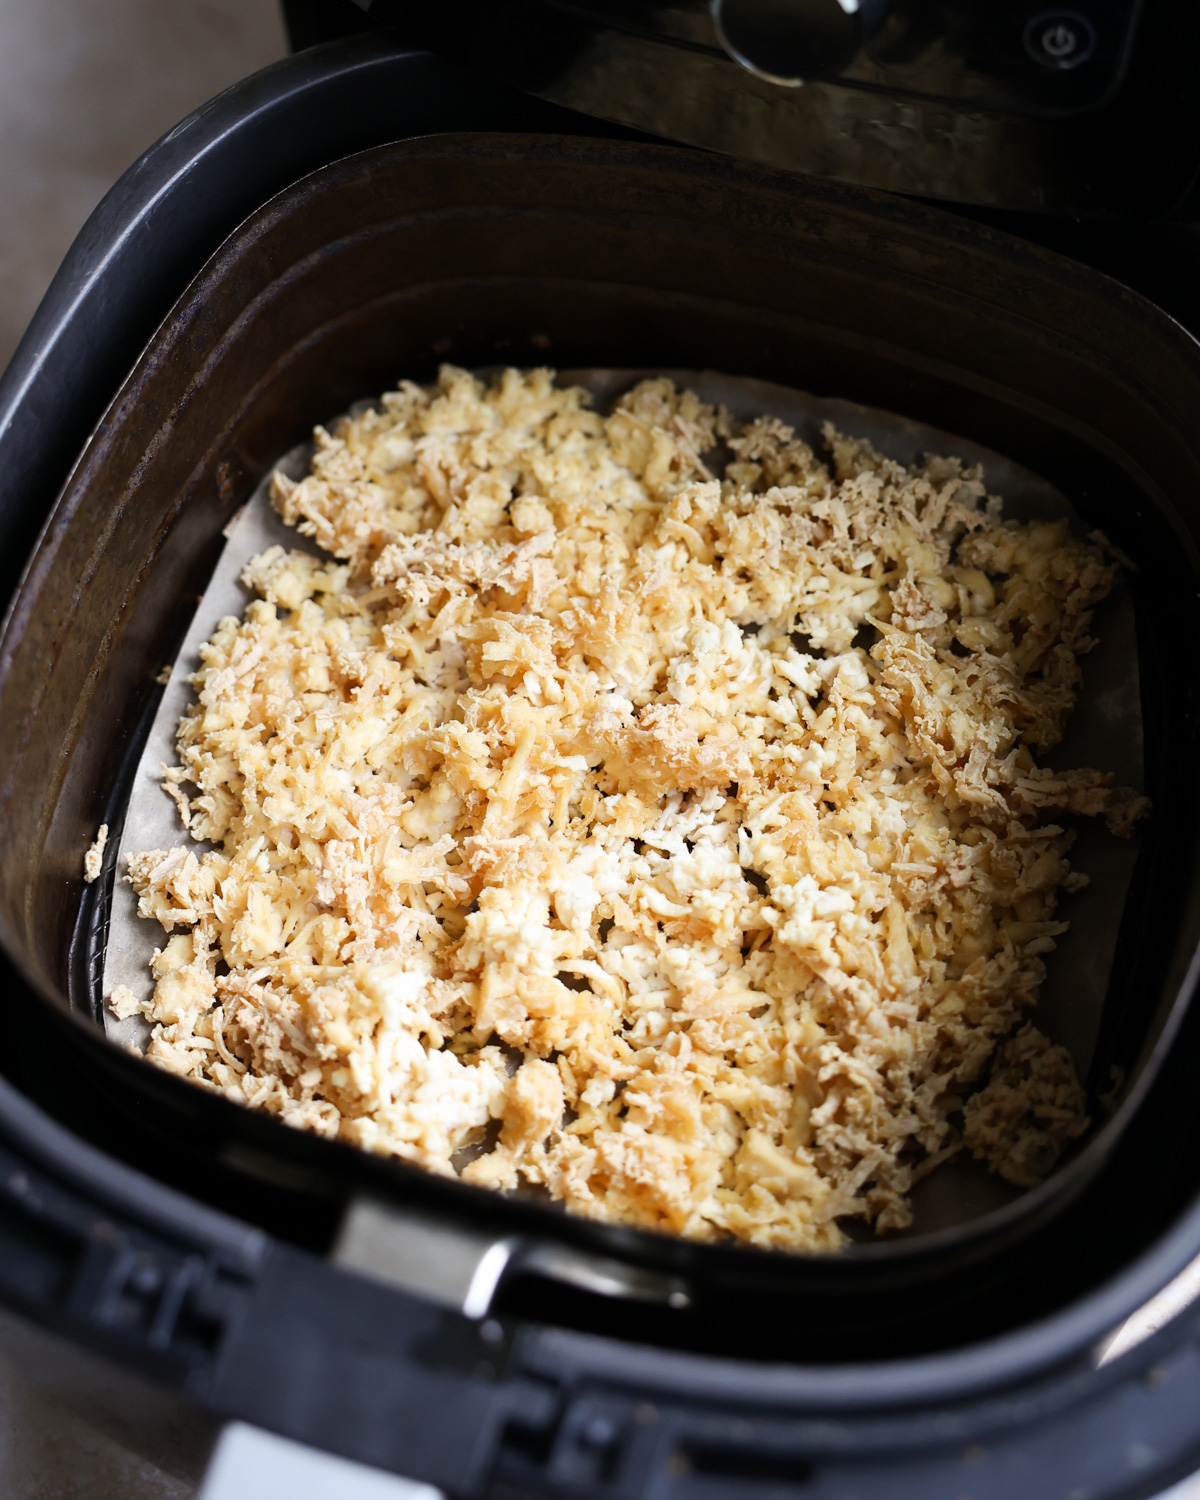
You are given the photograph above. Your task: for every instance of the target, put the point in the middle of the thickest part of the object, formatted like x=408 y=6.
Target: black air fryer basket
x=824 y=1375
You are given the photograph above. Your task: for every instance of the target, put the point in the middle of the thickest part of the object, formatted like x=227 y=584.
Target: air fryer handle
x=463 y=1269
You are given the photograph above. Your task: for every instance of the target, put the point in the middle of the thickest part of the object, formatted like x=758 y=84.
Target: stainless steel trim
x=458 y=1268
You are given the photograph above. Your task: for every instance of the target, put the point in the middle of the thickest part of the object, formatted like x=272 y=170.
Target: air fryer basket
x=529 y=250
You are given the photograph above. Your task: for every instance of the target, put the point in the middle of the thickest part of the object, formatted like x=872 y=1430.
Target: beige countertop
x=85 y=87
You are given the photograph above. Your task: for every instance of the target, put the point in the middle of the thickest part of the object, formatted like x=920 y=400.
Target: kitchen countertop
x=48 y=1453
x=84 y=89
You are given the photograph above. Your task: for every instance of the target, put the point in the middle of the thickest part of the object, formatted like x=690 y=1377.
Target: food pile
x=638 y=808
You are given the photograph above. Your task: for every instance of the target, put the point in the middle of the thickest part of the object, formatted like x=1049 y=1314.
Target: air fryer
x=342 y=1300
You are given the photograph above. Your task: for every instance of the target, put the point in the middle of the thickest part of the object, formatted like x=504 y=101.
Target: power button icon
x=1060 y=39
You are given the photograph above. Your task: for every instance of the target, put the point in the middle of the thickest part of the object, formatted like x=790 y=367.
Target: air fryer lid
x=484 y=250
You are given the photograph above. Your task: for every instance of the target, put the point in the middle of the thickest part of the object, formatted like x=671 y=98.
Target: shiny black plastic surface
x=1090 y=110
x=1022 y=56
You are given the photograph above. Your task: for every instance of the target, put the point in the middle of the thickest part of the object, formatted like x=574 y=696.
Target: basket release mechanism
x=462 y=1269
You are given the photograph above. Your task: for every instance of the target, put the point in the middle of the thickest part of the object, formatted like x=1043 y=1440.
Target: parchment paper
x=1105 y=731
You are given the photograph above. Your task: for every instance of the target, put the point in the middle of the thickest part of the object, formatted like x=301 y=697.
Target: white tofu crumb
x=1032 y=1103
x=709 y=799
x=123 y=1003
x=93 y=860
x=164 y=677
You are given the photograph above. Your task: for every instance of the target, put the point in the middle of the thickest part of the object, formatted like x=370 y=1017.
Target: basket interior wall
x=570 y=254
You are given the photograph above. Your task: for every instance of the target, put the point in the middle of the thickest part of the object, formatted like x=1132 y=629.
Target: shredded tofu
x=1032 y=1104
x=123 y=1003
x=636 y=808
x=93 y=860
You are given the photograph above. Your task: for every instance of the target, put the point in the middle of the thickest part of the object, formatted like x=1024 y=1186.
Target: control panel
x=1015 y=56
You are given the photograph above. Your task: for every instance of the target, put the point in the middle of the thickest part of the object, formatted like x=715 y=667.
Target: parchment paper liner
x=1105 y=731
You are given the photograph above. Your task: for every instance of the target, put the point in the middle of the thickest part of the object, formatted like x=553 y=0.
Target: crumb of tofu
x=673 y=836
x=123 y=1003
x=93 y=860
x=163 y=677
x=1031 y=1106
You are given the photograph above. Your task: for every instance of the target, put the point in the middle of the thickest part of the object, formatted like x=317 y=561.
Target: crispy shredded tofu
x=636 y=808
x=1031 y=1105
x=123 y=1003
x=93 y=860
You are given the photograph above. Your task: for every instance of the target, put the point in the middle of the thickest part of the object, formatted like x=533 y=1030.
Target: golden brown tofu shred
x=664 y=835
